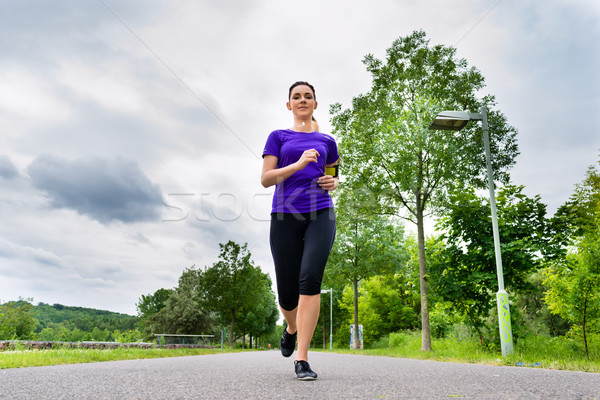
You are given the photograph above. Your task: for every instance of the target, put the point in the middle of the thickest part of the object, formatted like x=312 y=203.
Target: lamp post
x=456 y=120
x=330 y=291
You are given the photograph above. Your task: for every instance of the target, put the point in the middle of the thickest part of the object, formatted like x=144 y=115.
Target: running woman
x=302 y=163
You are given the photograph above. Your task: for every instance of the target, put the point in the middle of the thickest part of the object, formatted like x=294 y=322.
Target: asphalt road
x=267 y=375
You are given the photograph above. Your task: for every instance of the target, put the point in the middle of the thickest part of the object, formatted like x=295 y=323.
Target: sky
x=131 y=132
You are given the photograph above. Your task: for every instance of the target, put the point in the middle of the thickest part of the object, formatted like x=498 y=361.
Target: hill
x=66 y=323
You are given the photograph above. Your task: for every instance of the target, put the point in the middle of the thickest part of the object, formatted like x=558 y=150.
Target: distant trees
x=238 y=292
x=16 y=320
x=153 y=303
x=177 y=311
x=84 y=319
x=232 y=293
x=22 y=320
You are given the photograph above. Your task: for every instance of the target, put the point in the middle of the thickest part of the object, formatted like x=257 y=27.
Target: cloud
x=10 y=250
x=103 y=189
x=7 y=168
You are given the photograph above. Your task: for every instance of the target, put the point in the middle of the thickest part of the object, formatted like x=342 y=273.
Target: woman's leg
x=291 y=319
x=318 y=240
x=306 y=320
x=287 y=246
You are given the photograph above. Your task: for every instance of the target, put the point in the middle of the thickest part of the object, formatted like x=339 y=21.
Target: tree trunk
x=231 y=331
x=251 y=341
x=356 y=344
x=425 y=328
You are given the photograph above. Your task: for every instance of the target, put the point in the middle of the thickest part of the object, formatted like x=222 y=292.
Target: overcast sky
x=131 y=131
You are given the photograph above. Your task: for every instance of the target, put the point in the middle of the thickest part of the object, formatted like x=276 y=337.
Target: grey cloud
x=104 y=190
x=16 y=252
x=7 y=168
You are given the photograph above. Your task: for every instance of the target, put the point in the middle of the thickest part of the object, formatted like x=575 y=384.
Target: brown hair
x=315 y=124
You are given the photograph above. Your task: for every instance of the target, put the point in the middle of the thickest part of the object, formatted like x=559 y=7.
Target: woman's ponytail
x=315 y=124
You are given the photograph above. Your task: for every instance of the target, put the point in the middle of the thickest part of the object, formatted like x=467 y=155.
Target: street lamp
x=330 y=316
x=454 y=121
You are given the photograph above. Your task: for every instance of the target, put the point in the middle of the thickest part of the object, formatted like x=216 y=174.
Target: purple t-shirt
x=300 y=193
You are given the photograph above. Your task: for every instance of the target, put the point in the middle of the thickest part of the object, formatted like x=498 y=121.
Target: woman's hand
x=271 y=175
x=328 y=182
x=307 y=157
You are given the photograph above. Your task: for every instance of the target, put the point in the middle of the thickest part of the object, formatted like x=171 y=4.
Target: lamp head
x=450 y=120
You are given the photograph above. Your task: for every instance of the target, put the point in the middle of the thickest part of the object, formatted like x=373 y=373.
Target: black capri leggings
x=300 y=244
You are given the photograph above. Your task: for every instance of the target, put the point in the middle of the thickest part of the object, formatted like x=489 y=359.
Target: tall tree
x=367 y=244
x=580 y=213
x=259 y=316
x=231 y=284
x=387 y=147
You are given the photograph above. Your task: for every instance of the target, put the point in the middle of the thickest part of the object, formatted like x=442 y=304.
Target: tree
x=16 y=320
x=232 y=284
x=574 y=282
x=580 y=213
x=183 y=311
x=259 y=316
x=366 y=244
x=386 y=305
x=466 y=270
x=152 y=303
x=574 y=287
x=388 y=148
x=148 y=306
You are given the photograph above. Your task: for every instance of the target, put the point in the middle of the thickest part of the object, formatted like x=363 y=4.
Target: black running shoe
x=288 y=343
x=303 y=371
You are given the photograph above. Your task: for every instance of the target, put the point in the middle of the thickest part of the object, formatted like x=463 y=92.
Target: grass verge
x=549 y=353
x=38 y=358
x=535 y=352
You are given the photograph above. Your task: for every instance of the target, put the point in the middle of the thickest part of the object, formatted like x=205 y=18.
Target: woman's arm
x=271 y=175
x=329 y=182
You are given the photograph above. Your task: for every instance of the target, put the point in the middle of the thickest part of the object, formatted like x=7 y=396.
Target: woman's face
x=302 y=101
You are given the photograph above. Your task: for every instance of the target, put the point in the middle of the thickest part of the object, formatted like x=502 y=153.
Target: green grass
x=550 y=353
x=38 y=358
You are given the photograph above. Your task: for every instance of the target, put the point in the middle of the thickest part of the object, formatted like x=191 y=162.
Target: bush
x=341 y=338
x=461 y=332
x=401 y=339
x=16 y=320
x=441 y=319
x=381 y=343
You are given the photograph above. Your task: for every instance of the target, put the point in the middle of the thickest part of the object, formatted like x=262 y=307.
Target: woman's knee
x=288 y=302
x=310 y=285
